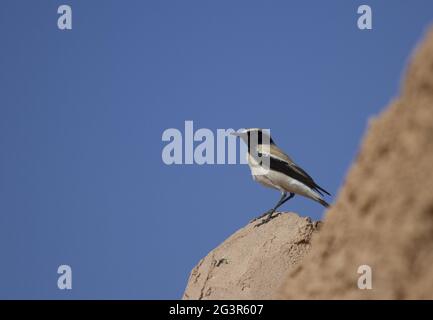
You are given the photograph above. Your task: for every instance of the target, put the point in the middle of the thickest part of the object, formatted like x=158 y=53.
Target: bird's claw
x=271 y=211
x=268 y=216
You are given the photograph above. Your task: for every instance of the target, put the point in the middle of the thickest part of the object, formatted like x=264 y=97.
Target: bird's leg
x=269 y=214
x=291 y=195
x=271 y=211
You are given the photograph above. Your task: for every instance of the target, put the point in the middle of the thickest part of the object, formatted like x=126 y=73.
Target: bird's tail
x=323 y=202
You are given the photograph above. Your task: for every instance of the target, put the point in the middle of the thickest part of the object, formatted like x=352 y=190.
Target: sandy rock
x=253 y=262
x=384 y=213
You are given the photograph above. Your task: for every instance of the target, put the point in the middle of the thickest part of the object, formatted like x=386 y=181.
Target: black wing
x=295 y=172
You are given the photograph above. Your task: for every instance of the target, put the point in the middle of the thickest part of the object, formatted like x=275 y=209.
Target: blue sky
x=82 y=113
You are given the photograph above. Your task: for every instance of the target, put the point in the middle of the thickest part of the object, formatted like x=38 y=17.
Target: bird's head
x=254 y=135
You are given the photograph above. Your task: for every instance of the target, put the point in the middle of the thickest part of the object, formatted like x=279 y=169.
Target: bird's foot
x=268 y=218
x=270 y=211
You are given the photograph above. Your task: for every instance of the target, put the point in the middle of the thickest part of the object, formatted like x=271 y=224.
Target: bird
x=273 y=168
